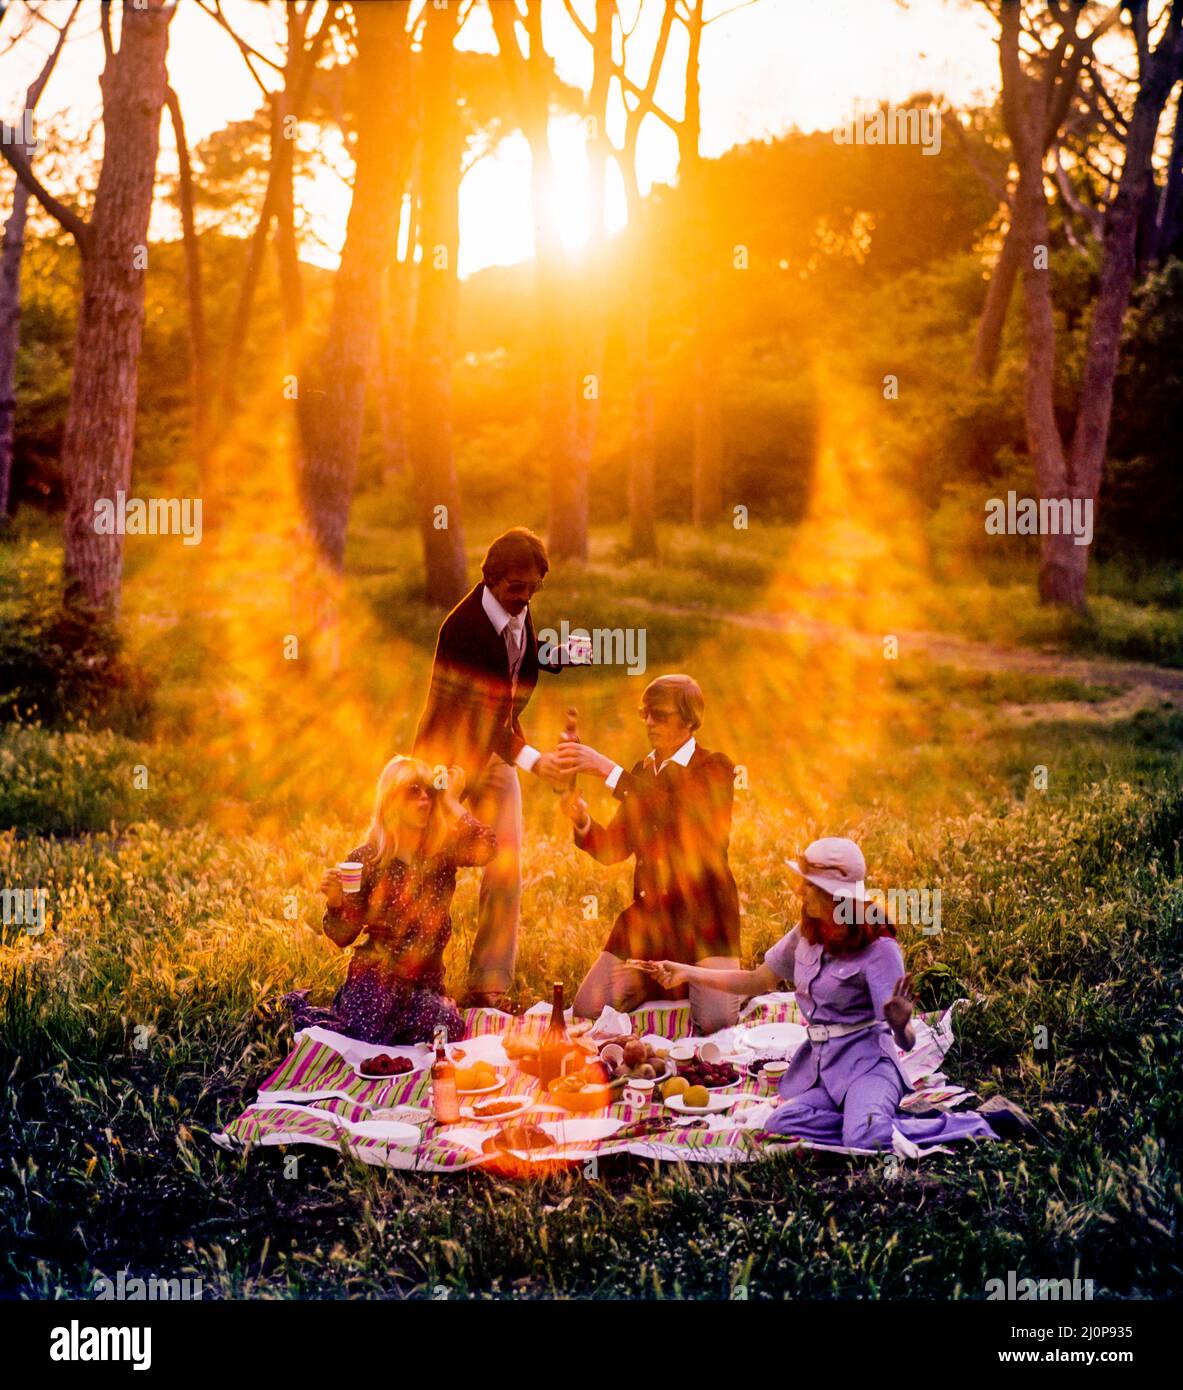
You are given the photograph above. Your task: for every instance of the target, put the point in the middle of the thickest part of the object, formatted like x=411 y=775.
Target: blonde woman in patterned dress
x=419 y=836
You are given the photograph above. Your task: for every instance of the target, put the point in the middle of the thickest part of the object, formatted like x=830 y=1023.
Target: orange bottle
x=445 y=1102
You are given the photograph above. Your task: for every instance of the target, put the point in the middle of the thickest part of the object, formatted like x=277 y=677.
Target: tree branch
x=13 y=151
x=1093 y=218
x=627 y=84
x=105 y=26
x=714 y=19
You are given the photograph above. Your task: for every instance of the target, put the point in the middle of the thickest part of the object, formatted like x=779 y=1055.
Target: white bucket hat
x=835 y=865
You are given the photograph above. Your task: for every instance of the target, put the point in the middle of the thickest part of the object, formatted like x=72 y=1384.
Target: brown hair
x=517 y=546
x=687 y=696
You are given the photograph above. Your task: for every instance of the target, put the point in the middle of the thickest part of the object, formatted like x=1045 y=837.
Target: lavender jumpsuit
x=847 y=1090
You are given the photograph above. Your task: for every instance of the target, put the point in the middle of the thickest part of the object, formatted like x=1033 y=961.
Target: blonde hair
x=383 y=834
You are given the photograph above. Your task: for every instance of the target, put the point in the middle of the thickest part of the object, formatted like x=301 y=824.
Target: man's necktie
x=514 y=644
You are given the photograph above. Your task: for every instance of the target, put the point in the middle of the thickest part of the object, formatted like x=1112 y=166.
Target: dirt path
x=1141 y=684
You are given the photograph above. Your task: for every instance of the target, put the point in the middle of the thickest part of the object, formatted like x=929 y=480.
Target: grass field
x=1062 y=910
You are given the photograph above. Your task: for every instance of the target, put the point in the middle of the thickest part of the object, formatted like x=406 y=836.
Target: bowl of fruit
x=678 y=1095
x=587 y=1089
x=382 y=1066
x=479 y=1079
x=714 y=1076
x=633 y=1060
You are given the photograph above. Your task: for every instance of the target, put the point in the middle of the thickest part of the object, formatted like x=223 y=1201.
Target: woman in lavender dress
x=419 y=836
x=845 y=1083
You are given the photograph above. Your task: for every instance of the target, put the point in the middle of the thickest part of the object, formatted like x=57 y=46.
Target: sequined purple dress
x=394 y=992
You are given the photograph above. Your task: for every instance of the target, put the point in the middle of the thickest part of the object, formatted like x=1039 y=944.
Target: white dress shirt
x=681 y=757
x=501 y=619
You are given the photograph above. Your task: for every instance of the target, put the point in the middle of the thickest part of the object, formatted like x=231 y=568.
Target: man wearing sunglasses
x=485 y=668
x=674 y=818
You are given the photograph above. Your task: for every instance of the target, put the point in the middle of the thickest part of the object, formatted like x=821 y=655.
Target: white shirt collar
x=681 y=757
x=499 y=616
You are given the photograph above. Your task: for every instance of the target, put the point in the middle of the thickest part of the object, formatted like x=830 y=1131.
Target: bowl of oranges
x=478 y=1080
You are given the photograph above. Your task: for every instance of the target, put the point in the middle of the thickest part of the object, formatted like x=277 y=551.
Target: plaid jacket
x=677 y=826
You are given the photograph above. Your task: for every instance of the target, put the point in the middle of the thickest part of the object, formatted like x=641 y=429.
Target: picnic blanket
x=316 y=1097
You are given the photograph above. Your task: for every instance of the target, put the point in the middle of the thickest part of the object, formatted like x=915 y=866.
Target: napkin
x=611 y=1023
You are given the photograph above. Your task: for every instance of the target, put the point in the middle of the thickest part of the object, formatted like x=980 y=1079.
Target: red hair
x=847 y=938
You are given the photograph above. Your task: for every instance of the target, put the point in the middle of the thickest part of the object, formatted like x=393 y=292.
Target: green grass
x=140 y=1022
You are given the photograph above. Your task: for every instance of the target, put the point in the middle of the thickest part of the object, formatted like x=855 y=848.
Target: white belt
x=823 y=1032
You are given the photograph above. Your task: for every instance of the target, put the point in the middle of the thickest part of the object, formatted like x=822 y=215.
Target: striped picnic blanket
x=317 y=1097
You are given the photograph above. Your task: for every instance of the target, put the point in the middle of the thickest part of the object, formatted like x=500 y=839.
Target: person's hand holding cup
x=340 y=881
x=331 y=887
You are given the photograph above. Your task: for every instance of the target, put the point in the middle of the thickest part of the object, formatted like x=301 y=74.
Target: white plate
x=522 y=1104
x=715 y=1104
x=765 y=1037
x=483 y=1090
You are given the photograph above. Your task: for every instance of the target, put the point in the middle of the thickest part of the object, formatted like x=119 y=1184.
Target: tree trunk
x=100 y=423
x=11 y=257
x=291 y=287
x=10 y=319
x=1118 y=268
x=394 y=354
x=197 y=344
x=642 y=517
x=1025 y=117
x=298 y=70
x=1169 y=219
x=707 y=435
x=432 y=454
x=567 y=521
x=332 y=398
x=595 y=291
x=988 y=342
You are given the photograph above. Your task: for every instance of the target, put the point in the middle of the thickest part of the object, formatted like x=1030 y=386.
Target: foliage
x=57 y=666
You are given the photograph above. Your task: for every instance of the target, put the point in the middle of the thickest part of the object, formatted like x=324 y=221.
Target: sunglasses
x=524 y=590
x=663 y=716
x=417 y=789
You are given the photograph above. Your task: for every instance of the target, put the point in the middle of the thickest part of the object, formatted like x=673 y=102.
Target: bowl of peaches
x=586 y=1088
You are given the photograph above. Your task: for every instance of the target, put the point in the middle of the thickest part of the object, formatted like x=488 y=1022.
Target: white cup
x=350 y=871
x=579 y=651
x=711 y=1052
x=639 y=1091
x=683 y=1052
